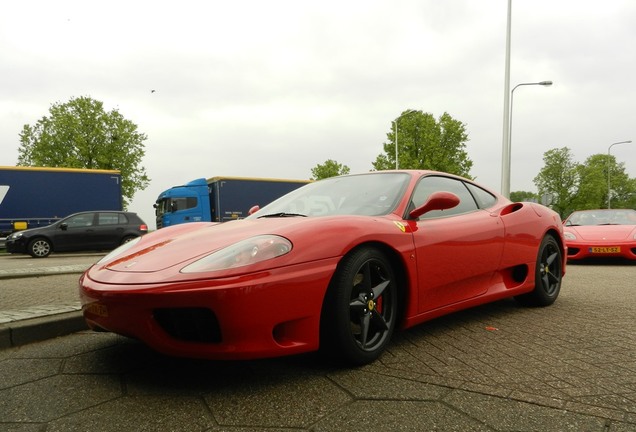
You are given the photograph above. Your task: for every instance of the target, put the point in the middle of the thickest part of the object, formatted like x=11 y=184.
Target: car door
x=457 y=250
x=109 y=229
x=75 y=233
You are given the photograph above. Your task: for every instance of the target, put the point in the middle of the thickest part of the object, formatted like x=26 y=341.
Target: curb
x=52 y=324
x=23 y=332
x=42 y=271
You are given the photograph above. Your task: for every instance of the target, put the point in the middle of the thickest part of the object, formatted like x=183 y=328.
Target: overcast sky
x=273 y=88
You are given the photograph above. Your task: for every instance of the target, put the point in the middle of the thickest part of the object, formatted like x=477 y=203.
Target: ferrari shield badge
x=401 y=226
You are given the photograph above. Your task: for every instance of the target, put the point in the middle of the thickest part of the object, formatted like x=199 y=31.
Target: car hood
x=170 y=247
x=31 y=231
x=603 y=232
x=163 y=253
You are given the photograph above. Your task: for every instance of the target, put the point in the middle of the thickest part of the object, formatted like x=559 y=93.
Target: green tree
x=426 y=143
x=621 y=187
x=330 y=168
x=575 y=186
x=80 y=134
x=630 y=200
x=592 y=187
x=559 y=178
x=519 y=196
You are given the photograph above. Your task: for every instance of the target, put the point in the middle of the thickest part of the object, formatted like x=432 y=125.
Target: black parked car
x=86 y=231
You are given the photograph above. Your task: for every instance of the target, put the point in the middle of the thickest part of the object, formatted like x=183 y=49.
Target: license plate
x=604 y=250
x=97 y=309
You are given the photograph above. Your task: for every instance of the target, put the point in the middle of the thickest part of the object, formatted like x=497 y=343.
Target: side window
x=110 y=218
x=430 y=184
x=484 y=198
x=82 y=220
x=183 y=203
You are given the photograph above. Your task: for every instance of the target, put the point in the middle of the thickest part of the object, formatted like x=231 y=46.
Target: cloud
x=273 y=88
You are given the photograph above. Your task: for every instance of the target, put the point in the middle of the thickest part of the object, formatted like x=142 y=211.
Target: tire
x=127 y=239
x=359 y=314
x=39 y=248
x=548 y=275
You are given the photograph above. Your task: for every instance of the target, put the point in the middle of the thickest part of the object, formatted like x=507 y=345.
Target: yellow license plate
x=97 y=309
x=603 y=250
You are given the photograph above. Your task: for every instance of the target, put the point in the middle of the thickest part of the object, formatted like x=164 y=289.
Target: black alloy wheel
x=548 y=275
x=360 y=310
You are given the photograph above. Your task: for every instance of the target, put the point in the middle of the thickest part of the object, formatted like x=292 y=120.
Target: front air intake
x=189 y=324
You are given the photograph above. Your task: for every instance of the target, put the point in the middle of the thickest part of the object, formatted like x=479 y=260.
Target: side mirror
x=437 y=201
x=64 y=226
x=253 y=210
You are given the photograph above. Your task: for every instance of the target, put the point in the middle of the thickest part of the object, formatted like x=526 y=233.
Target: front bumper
x=581 y=251
x=259 y=315
x=15 y=245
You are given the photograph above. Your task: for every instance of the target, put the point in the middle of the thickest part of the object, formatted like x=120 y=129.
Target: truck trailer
x=218 y=199
x=32 y=197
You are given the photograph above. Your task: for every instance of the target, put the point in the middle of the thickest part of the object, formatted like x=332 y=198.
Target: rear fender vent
x=511 y=208
x=194 y=324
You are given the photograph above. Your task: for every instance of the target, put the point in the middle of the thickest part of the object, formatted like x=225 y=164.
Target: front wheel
x=360 y=309
x=548 y=274
x=39 y=248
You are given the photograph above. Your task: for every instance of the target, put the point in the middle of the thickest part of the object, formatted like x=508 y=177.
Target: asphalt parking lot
x=499 y=367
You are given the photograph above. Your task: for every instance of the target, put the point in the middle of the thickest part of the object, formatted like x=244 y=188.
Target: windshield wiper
x=282 y=214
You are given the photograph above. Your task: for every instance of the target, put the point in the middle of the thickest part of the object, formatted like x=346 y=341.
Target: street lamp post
x=395 y=132
x=505 y=160
x=609 y=187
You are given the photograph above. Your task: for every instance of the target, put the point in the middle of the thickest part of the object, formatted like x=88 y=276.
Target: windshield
x=170 y=205
x=162 y=206
x=365 y=194
x=602 y=217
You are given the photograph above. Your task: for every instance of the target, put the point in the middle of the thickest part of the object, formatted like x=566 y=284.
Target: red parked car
x=602 y=233
x=336 y=265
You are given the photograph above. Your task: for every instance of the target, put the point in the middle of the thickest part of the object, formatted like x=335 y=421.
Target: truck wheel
x=39 y=248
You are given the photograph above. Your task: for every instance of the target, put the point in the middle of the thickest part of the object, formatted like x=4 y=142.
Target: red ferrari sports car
x=336 y=265
x=601 y=233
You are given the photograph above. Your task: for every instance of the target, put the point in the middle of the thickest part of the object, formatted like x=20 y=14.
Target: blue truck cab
x=218 y=199
x=181 y=204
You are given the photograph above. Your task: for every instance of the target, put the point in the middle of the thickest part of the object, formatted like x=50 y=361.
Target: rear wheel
x=548 y=274
x=39 y=248
x=360 y=309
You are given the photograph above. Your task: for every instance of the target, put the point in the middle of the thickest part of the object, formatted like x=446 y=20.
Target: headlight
x=569 y=236
x=15 y=236
x=246 y=252
x=120 y=250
